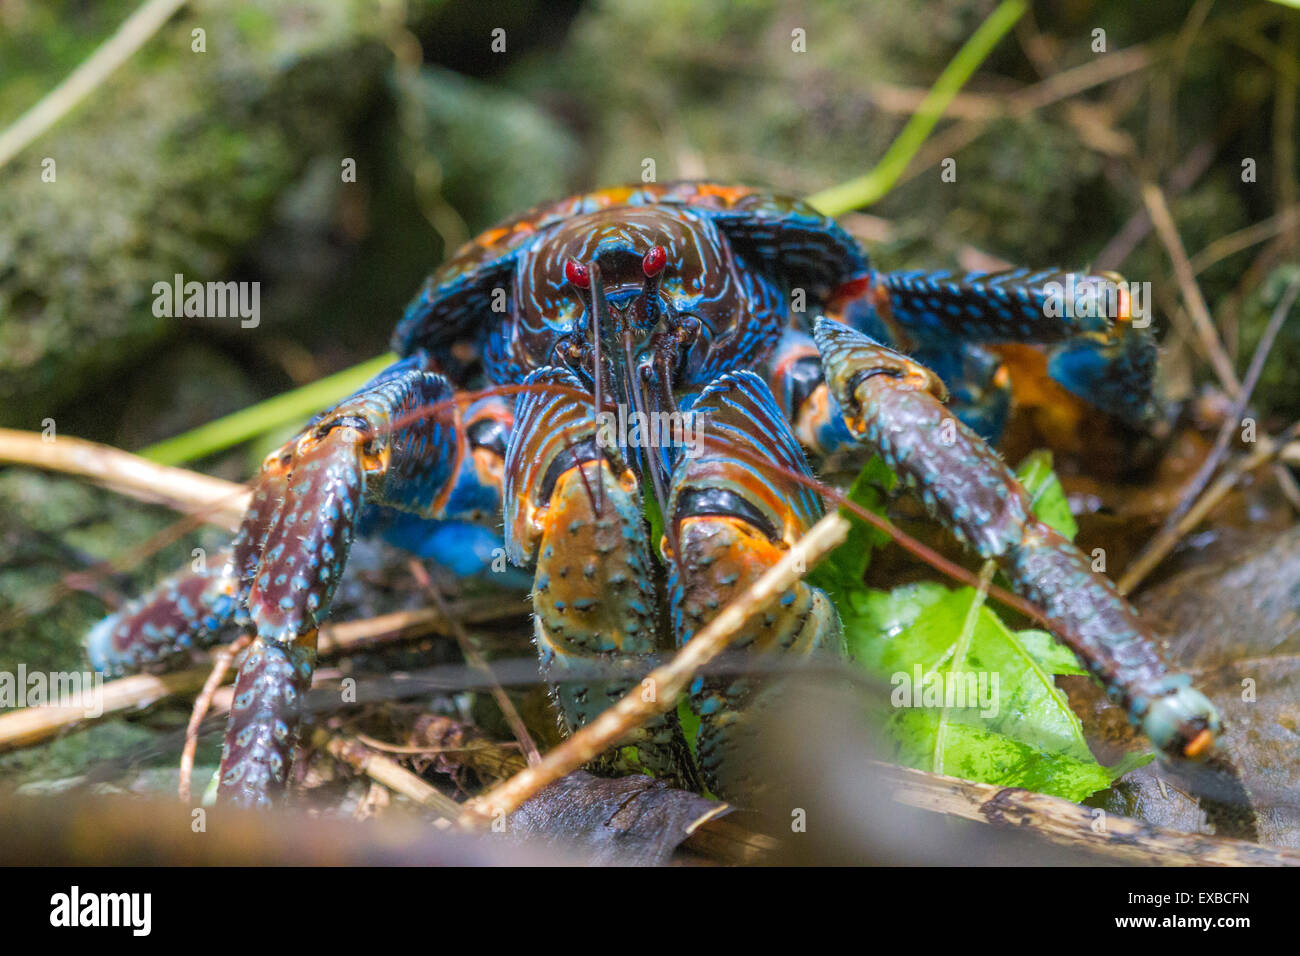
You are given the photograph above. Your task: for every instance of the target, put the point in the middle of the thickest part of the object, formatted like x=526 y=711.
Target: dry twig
x=221 y=661
x=212 y=499
x=476 y=660
x=134 y=32
x=1160 y=546
x=1208 y=336
x=1070 y=824
x=33 y=725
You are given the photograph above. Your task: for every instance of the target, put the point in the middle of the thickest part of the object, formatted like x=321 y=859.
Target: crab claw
x=1182 y=723
x=892 y=405
x=307 y=545
x=303 y=554
x=190 y=608
x=385 y=446
x=850 y=358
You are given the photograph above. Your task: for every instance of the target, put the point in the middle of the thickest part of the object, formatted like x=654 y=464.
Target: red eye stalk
x=654 y=261
x=577 y=273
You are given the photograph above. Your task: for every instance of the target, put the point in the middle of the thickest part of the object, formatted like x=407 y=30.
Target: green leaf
x=690 y=723
x=650 y=508
x=842 y=571
x=939 y=648
x=1046 y=495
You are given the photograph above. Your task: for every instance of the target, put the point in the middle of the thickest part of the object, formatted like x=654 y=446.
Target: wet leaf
x=971 y=697
x=1046 y=495
x=842 y=572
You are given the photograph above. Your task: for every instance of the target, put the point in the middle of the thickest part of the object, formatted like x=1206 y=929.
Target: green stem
x=871 y=187
x=258 y=419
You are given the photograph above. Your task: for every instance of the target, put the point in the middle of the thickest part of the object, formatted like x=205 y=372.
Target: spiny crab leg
x=378 y=447
x=190 y=608
x=895 y=406
x=399 y=443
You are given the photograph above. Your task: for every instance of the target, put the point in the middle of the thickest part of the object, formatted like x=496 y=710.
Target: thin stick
x=1161 y=545
x=1054 y=89
x=472 y=746
x=669 y=680
x=1287 y=483
x=1183 y=177
x=134 y=32
x=215 y=500
x=382 y=770
x=1243 y=239
x=1232 y=420
x=33 y=725
x=348 y=637
x=389 y=773
x=1158 y=209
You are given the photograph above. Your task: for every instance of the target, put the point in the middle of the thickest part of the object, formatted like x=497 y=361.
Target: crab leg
x=733 y=520
x=895 y=407
x=190 y=608
x=401 y=444
x=1091 y=324
x=574 y=506
x=382 y=446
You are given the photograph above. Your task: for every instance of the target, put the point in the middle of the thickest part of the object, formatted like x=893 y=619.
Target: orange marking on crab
x=816 y=408
x=614 y=196
x=730 y=195
x=1200 y=744
x=1057 y=413
x=493 y=236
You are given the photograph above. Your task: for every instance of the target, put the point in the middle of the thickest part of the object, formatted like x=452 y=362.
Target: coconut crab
x=679 y=303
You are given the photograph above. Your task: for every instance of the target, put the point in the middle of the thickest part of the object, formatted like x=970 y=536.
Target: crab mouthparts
x=637 y=367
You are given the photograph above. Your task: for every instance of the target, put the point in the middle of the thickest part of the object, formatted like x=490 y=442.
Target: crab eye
x=577 y=273
x=654 y=261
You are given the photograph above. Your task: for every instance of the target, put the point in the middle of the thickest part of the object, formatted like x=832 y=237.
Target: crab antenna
x=598 y=308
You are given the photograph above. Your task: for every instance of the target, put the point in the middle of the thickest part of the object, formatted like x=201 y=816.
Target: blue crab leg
x=401 y=456
x=734 y=519
x=383 y=446
x=1096 y=349
x=190 y=608
x=895 y=406
x=578 y=515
